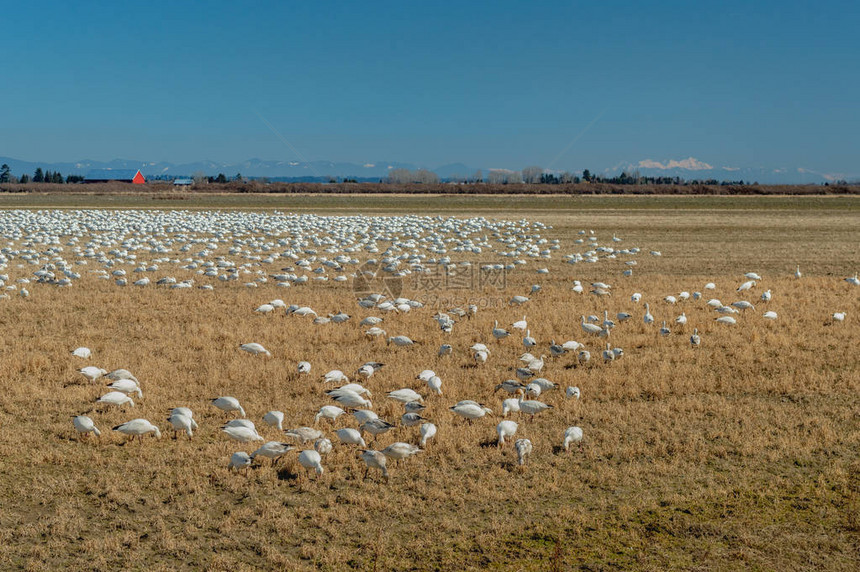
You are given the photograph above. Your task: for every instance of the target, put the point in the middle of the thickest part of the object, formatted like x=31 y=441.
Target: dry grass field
x=743 y=453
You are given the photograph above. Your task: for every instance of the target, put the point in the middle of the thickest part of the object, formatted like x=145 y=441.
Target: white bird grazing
x=374 y=460
x=92 y=372
x=533 y=391
x=536 y=365
x=241 y=423
x=350 y=399
x=521 y=325
x=533 y=407
x=228 y=404
x=138 y=428
x=322 y=446
x=181 y=422
x=118 y=374
x=715 y=303
x=265 y=309
x=510 y=405
x=572 y=435
x=304 y=434
x=272 y=450
x=499 y=333
x=275 y=419
x=670 y=299
x=648 y=318
x=85 y=353
x=524 y=450
x=583 y=357
x=311 y=459
x=435 y=384
x=335 y=375
x=682 y=319
x=571 y=345
x=577 y=287
x=401 y=341
x=743 y=305
x=126 y=386
x=470 y=410
x=400 y=450
x=405 y=395
x=695 y=340
x=797 y=273
x=770 y=315
x=589 y=328
x=838 y=316
x=304 y=367
x=726 y=320
x=572 y=392
x=445 y=350
x=480 y=357
x=242 y=434
x=853 y=280
x=710 y=286
x=506 y=429
x=254 y=349
x=115 y=398
x=330 y=412
x=350 y=436
x=187 y=412
x=84 y=425
x=426 y=375
x=428 y=431
x=239 y=460
x=518 y=300
x=746 y=285
x=375 y=426
x=766 y=296
x=635 y=297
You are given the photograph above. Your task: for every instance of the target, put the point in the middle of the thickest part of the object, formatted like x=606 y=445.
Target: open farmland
x=742 y=452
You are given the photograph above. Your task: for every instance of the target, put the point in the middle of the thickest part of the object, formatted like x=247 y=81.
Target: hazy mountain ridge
x=687 y=169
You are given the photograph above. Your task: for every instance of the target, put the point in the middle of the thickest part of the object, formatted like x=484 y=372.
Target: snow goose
x=254 y=348
x=311 y=459
x=504 y=429
x=572 y=435
x=374 y=460
x=138 y=428
x=115 y=398
x=428 y=431
x=524 y=450
x=84 y=425
x=228 y=404
x=275 y=419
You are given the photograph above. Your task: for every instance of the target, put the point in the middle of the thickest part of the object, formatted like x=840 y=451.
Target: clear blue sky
x=500 y=84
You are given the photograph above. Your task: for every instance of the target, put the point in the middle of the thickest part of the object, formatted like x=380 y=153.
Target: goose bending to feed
x=400 y=450
x=401 y=341
x=335 y=375
x=532 y=407
x=323 y=446
x=405 y=395
x=374 y=460
x=180 y=423
x=311 y=459
x=115 y=398
x=350 y=436
x=275 y=419
x=504 y=429
x=770 y=315
x=242 y=434
x=254 y=348
x=272 y=450
x=304 y=434
x=572 y=392
x=85 y=353
x=572 y=435
x=126 y=386
x=695 y=339
x=411 y=419
x=304 y=367
x=138 y=428
x=521 y=325
x=92 y=372
x=227 y=403
x=187 y=412
x=524 y=450
x=427 y=431
x=350 y=399
x=239 y=460
x=375 y=427
x=838 y=316
x=470 y=410
x=726 y=320
x=85 y=425
x=330 y=412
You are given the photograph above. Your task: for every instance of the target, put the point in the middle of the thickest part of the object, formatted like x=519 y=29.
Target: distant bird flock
x=139 y=249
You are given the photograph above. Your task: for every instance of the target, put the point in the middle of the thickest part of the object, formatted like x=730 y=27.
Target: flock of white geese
x=298 y=250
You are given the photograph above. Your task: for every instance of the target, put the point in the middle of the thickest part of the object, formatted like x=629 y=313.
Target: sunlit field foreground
x=741 y=453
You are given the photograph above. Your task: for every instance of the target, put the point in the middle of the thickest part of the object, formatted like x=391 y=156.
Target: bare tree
x=532 y=174
x=497 y=177
x=515 y=177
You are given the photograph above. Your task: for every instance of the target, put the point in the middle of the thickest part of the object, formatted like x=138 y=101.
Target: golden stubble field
x=743 y=453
